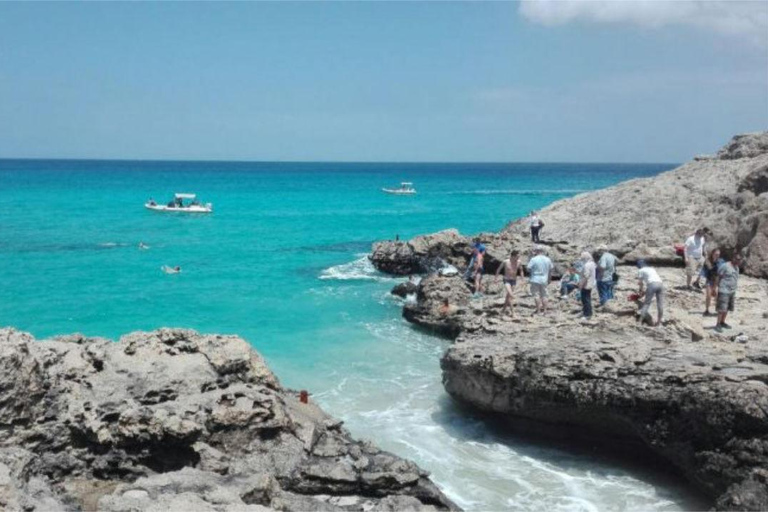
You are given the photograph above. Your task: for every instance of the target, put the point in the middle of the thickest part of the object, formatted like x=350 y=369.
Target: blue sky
x=381 y=81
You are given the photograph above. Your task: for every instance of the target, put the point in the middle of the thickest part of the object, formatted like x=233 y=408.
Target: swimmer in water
x=142 y=245
x=171 y=270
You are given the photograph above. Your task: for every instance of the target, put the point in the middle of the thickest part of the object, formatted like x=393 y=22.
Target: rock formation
x=175 y=420
x=640 y=218
x=682 y=392
x=694 y=397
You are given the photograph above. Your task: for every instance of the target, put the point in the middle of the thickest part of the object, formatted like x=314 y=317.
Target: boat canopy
x=406 y=183
x=185 y=196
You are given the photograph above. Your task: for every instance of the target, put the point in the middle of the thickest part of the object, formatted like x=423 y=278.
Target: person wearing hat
x=539 y=274
x=651 y=284
x=606 y=268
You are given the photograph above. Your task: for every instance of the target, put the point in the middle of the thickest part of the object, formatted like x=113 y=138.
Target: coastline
x=696 y=398
x=183 y=421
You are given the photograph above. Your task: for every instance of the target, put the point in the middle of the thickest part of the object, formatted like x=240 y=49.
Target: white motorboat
x=406 y=189
x=181 y=203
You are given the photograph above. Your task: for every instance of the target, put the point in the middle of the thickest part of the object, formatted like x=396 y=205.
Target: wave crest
x=359 y=269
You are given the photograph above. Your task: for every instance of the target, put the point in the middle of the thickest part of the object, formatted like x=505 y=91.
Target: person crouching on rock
x=649 y=280
x=539 y=275
x=569 y=282
x=726 y=283
x=709 y=272
x=587 y=283
x=511 y=267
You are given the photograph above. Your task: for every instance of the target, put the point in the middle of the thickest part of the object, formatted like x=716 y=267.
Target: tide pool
x=281 y=262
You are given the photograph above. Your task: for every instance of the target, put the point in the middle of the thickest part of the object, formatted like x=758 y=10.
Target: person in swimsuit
x=477 y=270
x=512 y=268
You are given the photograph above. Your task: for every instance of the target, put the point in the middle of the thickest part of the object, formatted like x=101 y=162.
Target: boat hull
x=189 y=209
x=397 y=192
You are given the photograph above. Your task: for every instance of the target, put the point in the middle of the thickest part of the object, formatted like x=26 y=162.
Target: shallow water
x=281 y=262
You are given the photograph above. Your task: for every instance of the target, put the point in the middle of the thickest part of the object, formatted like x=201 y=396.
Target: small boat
x=181 y=203
x=406 y=189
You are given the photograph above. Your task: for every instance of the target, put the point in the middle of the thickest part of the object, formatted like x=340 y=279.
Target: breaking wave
x=361 y=269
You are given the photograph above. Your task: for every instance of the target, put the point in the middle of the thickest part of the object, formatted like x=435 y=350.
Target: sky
x=544 y=81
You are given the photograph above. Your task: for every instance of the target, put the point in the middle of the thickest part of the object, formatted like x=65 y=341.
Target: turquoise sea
x=281 y=262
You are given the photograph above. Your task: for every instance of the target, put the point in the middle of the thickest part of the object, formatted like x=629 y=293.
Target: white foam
x=359 y=269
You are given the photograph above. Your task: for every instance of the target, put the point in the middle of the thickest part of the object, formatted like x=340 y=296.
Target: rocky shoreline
x=694 y=397
x=176 y=420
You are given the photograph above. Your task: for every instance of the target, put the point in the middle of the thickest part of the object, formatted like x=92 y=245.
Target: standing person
x=512 y=268
x=606 y=268
x=477 y=270
x=649 y=279
x=536 y=224
x=709 y=271
x=539 y=274
x=587 y=283
x=727 y=282
x=694 y=252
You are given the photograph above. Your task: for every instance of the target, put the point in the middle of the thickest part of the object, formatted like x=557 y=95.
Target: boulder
x=176 y=420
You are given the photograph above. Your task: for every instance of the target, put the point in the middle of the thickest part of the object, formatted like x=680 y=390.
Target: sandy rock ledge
x=176 y=420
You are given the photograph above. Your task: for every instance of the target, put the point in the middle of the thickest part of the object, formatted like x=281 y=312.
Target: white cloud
x=745 y=19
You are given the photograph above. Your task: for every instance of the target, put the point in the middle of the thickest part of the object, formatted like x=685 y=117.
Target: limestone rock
x=175 y=420
x=639 y=219
x=748 y=145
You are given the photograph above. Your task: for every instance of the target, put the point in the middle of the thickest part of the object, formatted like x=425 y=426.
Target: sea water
x=281 y=262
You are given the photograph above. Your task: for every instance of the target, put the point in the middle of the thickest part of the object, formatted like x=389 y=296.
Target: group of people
x=599 y=272
x=585 y=275
x=721 y=276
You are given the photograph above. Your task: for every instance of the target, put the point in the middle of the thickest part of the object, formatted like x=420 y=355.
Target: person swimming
x=171 y=270
x=142 y=245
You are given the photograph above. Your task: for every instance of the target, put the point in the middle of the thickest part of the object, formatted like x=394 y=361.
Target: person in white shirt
x=695 y=249
x=649 y=280
x=539 y=275
x=587 y=283
x=536 y=224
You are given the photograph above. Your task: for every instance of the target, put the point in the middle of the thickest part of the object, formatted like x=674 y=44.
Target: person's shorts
x=693 y=266
x=725 y=302
x=539 y=290
x=512 y=282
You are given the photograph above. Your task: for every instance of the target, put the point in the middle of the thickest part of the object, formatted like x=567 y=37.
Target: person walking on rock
x=651 y=284
x=606 y=269
x=477 y=270
x=511 y=268
x=694 y=252
x=726 y=283
x=536 y=224
x=709 y=272
x=539 y=275
x=587 y=283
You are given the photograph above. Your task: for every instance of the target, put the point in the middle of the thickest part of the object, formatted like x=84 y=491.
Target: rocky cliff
x=691 y=396
x=640 y=218
x=175 y=420
x=682 y=392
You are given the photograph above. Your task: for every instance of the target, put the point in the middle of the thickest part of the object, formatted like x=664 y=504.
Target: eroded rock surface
x=175 y=420
x=693 y=396
x=640 y=218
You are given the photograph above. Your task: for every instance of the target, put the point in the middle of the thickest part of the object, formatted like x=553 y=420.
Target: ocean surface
x=281 y=262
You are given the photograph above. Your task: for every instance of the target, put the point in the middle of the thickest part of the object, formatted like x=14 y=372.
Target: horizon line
x=457 y=162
